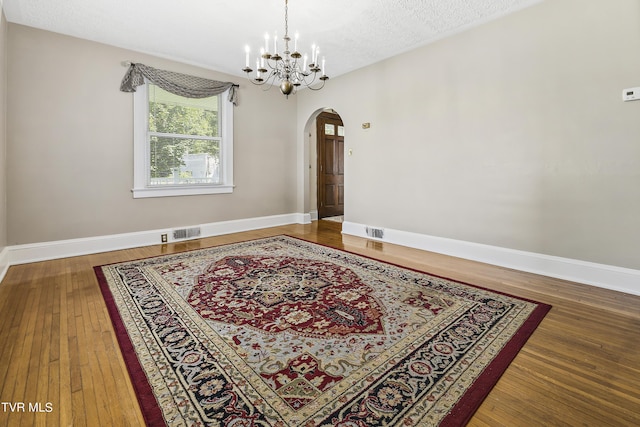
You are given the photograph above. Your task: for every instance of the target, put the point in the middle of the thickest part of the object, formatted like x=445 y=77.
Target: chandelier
x=288 y=68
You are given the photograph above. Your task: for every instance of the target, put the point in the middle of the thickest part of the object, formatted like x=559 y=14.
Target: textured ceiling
x=212 y=33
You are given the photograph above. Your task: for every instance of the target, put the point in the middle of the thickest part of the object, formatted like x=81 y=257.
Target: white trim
x=314 y=215
x=34 y=252
x=601 y=275
x=170 y=191
x=303 y=218
x=141 y=189
x=140 y=124
x=22 y=254
x=4 y=262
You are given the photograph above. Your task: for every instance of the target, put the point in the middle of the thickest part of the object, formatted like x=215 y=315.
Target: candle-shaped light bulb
x=304 y=66
x=266 y=42
x=258 y=68
x=313 y=53
x=275 y=43
x=295 y=42
x=247 y=49
x=324 y=70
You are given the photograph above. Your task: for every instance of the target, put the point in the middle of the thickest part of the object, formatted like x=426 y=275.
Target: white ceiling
x=213 y=33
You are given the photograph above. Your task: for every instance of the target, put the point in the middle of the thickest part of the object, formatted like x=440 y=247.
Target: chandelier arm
x=308 y=83
x=267 y=83
x=271 y=77
x=317 y=88
x=275 y=64
x=254 y=81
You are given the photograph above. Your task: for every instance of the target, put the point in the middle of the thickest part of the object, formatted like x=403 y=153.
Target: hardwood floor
x=59 y=352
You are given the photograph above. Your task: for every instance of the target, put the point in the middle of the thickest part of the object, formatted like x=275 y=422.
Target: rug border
x=487 y=380
x=460 y=414
x=147 y=401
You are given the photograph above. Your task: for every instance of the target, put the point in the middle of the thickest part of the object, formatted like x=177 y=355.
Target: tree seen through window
x=184 y=139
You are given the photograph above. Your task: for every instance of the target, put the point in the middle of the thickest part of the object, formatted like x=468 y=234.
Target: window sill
x=140 y=193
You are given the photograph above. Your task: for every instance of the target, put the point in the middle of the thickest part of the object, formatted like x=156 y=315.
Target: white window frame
x=141 y=152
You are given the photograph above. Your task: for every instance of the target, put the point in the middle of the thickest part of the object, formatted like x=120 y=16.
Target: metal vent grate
x=186 y=233
x=376 y=233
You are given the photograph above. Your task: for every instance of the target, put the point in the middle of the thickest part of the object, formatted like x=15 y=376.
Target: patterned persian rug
x=284 y=332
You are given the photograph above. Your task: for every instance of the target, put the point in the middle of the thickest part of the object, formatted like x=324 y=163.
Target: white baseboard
x=4 y=262
x=314 y=215
x=601 y=275
x=22 y=254
x=305 y=218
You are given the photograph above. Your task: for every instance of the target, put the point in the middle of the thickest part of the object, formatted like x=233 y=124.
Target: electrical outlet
x=163 y=238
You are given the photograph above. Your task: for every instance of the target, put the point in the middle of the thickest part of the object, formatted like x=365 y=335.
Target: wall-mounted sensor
x=632 y=94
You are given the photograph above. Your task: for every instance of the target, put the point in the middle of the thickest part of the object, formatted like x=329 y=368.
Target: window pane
x=329 y=129
x=340 y=130
x=169 y=113
x=179 y=161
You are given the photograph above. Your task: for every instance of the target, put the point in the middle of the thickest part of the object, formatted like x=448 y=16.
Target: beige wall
x=71 y=149
x=3 y=131
x=512 y=134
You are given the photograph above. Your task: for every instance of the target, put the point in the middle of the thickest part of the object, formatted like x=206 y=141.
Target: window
x=182 y=146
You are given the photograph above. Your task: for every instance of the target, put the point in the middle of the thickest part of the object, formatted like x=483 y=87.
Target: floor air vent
x=376 y=233
x=186 y=233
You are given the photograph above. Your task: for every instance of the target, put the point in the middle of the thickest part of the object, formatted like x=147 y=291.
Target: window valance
x=176 y=83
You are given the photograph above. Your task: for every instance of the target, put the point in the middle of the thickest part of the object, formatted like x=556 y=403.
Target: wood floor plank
x=580 y=367
x=64 y=412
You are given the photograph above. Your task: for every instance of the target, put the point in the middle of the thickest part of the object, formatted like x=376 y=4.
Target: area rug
x=284 y=332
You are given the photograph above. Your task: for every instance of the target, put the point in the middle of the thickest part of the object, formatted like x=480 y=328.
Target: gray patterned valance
x=176 y=83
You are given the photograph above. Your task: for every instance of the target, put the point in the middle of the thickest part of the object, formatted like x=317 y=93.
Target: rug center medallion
x=274 y=294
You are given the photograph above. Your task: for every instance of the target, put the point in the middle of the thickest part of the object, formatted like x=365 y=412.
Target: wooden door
x=330 y=165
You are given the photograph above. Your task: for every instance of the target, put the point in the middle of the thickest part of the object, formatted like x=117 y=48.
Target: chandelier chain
x=286 y=18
